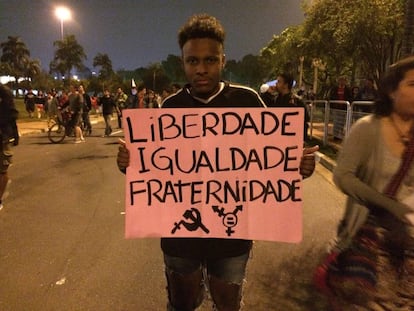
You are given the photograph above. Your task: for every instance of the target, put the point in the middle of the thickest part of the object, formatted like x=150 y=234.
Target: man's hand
x=122 y=158
x=307 y=162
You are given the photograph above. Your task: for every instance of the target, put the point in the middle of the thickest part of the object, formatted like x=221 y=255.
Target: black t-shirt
x=229 y=95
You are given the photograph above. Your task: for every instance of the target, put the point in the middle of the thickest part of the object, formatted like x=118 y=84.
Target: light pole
x=63 y=14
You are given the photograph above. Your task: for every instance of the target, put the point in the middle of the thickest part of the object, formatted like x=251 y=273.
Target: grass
x=23 y=115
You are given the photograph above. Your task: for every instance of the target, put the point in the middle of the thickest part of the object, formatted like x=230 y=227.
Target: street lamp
x=63 y=14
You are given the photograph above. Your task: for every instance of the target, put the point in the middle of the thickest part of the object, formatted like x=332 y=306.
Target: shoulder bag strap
x=405 y=165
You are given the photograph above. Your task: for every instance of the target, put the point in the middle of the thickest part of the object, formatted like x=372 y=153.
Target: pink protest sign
x=225 y=173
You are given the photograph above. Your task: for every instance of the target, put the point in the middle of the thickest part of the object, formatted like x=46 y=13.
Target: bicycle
x=61 y=127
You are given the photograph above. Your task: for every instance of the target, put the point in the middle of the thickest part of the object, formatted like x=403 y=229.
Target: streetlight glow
x=63 y=14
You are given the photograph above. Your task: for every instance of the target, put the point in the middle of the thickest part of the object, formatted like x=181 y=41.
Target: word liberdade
x=163 y=147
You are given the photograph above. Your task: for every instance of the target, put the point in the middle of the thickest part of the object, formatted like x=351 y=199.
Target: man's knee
x=226 y=295
x=185 y=291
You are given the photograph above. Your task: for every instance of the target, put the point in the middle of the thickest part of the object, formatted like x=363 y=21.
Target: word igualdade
x=215 y=160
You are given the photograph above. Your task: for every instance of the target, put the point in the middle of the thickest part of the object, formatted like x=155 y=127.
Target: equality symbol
x=229 y=219
x=194 y=215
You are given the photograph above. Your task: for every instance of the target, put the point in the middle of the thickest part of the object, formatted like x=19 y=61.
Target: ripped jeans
x=187 y=278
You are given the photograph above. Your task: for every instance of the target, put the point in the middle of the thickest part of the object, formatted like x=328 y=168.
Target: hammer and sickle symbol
x=194 y=215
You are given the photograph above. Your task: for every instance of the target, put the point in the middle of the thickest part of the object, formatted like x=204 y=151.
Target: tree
x=283 y=52
x=252 y=71
x=408 y=39
x=155 y=78
x=354 y=36
x=69 y=54
x=16 y=55
x=32 y=69
x=173 y=68
x=103 y=61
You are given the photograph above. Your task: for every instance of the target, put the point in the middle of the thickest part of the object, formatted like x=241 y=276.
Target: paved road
x=62 y=244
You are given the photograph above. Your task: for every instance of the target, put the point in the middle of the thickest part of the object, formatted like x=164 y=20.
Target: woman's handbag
x=352 y=273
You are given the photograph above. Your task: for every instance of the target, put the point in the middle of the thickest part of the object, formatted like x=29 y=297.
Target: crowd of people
x=50 y=104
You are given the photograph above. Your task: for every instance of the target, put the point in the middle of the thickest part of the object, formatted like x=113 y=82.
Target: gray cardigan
x=358 y=166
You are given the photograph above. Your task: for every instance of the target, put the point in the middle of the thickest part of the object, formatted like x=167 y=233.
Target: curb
x=23 y=131
x=324 y=160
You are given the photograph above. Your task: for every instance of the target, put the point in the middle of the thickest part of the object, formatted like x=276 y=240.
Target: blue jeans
x=186 y=279
x=108 y=128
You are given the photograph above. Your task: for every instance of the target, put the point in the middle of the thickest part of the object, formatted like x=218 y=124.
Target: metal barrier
x=338 y=116
x=315 y=117
x=361 y=109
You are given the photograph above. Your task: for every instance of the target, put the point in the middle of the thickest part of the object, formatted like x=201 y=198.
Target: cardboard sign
x=224 y=173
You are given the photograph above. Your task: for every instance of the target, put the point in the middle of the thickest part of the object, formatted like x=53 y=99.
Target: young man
x=75 y=105
x=120 y=100
x=202 y=45
x=108 y=105
x=286 y=98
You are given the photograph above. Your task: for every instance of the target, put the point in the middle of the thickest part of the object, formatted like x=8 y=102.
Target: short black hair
x=288 y=79
x=201 y=26
x=389 y=83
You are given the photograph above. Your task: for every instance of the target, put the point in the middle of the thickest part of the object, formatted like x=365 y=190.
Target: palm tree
x=69 y=54
x=16 y=55
x=33 y=68
x=103 y=61
x=408 y=39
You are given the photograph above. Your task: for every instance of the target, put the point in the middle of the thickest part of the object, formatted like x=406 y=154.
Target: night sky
x=137 y=33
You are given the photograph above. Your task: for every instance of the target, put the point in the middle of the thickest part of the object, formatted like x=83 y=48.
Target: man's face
x=141 y=93
x=203 y=61
x=280 y=84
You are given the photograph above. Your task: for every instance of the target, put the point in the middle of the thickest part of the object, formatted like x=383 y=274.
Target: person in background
x=52 y=106
x=132 y=99
x=87 y=106
x=151 y=100
x=175 y=87
x=266 y=95
x=141 y=91
x=375 y=169
x=8 y=136
x=201 y=41
x=355 y=92
x=75 y=102
x=120 y=100
x=40 y=104
x=30 y=102
x=108 y=105
x=368 y=92
x=286 y=98
x=341 y=91
x=167 y=91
